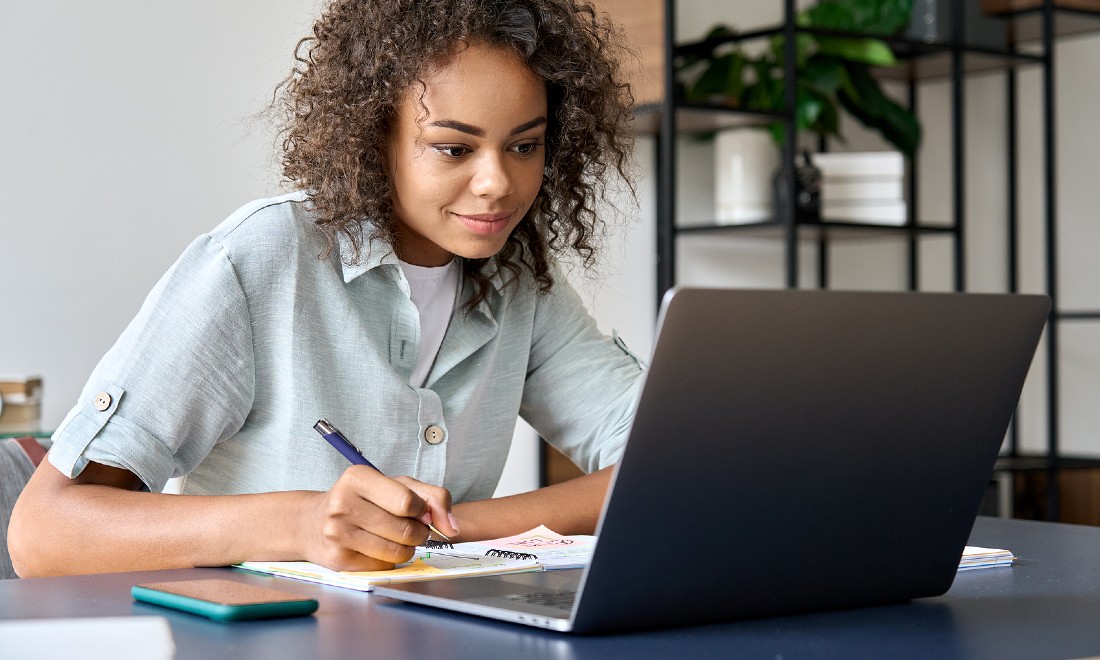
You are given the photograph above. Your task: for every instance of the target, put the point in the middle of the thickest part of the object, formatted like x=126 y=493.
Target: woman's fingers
x=437 y=502
x=368 y=521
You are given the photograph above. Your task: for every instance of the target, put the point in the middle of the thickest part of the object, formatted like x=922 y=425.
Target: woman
x=446 y=151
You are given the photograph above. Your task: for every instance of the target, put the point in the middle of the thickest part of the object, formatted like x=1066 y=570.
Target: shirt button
x=102 y=401
x=433 y=435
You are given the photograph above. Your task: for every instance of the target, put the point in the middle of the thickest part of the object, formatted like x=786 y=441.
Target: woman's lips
x=485 y=223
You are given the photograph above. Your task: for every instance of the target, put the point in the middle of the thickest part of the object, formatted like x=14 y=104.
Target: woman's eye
x=451 y=151
x=527 y=148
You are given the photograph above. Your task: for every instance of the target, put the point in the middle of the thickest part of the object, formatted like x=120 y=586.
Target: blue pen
x=337 y=440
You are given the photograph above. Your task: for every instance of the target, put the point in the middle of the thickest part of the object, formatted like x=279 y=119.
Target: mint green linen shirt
x=250 y=338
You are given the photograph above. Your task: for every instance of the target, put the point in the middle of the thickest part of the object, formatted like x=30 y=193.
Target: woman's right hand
x=370 y=522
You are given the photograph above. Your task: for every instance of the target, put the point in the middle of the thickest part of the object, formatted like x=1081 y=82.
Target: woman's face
x=468 y=163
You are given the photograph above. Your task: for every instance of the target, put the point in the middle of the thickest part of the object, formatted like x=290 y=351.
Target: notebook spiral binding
x=432 y=544
x=508 y=554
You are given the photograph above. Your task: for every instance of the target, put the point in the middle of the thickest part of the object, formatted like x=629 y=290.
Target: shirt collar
x=377 y=252
x=374 y=253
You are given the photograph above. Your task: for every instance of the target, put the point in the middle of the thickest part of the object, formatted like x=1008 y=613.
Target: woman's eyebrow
x=537 y=121
x=469 y=129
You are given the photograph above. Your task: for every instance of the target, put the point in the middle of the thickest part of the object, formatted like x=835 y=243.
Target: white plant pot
x=745 y=161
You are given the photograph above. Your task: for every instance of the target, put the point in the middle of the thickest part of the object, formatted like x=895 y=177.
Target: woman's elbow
x=24 y=540
x=33 y=539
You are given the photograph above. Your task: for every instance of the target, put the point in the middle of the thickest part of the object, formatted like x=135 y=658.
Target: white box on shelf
x=745 y=161
x=839 y=164
x=862 y=188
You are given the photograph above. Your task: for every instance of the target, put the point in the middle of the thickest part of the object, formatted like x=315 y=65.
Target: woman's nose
x=491 y=177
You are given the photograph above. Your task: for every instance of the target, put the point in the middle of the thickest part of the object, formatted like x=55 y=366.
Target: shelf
x=1020 y=28
x=1079 y=315
x=772 y=229
x=938 y=64
x=1027 y=26
x=1031 y=463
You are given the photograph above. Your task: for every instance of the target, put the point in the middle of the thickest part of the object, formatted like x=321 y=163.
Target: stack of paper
x=975 y=557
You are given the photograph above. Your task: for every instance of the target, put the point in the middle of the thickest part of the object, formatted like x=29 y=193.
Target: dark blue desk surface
x=1047 y=605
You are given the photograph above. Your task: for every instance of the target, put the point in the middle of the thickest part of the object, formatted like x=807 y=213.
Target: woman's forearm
x=99 y=522
x=571 y=507
x=61 y=526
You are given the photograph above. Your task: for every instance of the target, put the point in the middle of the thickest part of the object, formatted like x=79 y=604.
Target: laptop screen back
x=798 y=451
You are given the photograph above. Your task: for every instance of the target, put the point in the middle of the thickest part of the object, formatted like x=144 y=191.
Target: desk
x=1048 y=605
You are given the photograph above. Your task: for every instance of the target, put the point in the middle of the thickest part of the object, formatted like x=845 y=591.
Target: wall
x=128 y=128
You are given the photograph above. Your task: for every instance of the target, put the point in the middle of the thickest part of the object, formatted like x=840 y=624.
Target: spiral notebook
x=535 y=550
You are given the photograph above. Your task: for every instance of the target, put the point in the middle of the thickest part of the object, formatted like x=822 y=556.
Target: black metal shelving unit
x=1029 y=42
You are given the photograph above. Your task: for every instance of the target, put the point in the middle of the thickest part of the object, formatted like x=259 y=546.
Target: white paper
x=95 y=638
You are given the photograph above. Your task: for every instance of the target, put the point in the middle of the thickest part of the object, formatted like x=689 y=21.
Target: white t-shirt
x=434 y=290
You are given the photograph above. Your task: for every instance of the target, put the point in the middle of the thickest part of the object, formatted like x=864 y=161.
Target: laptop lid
x=793 y=451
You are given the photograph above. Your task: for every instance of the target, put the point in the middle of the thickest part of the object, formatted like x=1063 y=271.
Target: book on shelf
x=20 y=404
x=862 y=189
x=535 y=550
x=891 y=213
x=845 y=164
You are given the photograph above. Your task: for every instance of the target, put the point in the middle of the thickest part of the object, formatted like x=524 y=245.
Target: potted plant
x=836 y=50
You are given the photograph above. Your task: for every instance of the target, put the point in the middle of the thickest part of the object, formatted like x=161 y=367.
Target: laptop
x=792 y=451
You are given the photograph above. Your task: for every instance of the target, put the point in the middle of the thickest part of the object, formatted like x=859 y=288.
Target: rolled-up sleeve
x=180 y=378
x=582 y=385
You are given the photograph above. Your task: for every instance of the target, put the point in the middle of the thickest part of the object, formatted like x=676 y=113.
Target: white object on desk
x=102 y=638
x=978 y=557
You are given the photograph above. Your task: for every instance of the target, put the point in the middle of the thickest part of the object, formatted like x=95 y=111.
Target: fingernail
x=426 y=518
x=453 y=521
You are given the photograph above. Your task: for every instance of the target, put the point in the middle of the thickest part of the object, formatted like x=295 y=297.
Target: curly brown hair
x=341 y=102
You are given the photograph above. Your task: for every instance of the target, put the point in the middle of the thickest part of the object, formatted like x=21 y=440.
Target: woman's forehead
x=476 y=82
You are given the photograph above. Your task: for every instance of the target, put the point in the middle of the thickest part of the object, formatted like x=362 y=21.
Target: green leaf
x=823 y=74
x=722 y=77
x=778 y=130
x=874 y=52
x=864 y=99
x=804 y=45
x=884 y=17
x=768 y=90
x=828 y=123
x=719 y=31
x=807 y=110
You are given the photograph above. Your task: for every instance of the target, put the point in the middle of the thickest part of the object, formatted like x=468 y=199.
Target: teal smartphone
x=224 y=600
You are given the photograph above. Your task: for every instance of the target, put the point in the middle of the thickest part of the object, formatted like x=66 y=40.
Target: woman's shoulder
x=274 y=220
x=266 y=235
